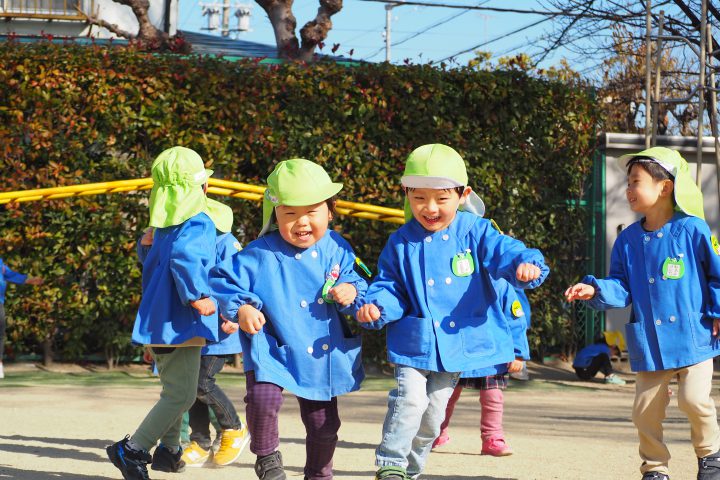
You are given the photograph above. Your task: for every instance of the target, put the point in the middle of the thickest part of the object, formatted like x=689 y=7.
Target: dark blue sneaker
x=655 y=476
x=709 y=467
x=165 y=461
x=131 y=463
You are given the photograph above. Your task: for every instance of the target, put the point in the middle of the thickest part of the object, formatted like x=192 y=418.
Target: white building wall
x=617 y=213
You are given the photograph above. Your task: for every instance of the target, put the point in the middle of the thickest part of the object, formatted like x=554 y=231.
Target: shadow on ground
x=15 y=474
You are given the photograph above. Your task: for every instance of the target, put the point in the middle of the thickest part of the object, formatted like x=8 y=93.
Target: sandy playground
x=55 y=425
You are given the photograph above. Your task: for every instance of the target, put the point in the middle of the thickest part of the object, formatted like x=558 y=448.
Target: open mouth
x=432 y=220
x=303 y=235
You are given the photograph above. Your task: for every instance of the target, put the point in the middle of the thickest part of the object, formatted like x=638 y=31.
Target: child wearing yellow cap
x=667 y=266
x=288 y=290
x=177 y=315
x=434 y=292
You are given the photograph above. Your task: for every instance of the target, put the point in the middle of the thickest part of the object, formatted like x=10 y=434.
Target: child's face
x=303 y=226
x=435 y=209
x=644 y=192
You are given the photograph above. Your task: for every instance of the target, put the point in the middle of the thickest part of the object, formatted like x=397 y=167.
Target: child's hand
x=516 y=365
x=147 y=238
x=34 y=280
x=147 y=356
x=580 y=291
x=716 y=327
x=228 y=326
x=527 y=272
x=367 y=313
x=344 y=293
x=250 y=319
x=204 y=306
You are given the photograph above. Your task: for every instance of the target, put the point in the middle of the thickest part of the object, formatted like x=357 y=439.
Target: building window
x=41 y=8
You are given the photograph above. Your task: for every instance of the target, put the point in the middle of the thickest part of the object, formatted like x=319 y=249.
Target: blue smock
x=585 y=356
x=8 y=276
x=306 y=345
x=175 y=273
x=516 y=316
x=437 y=320
x=671 y=320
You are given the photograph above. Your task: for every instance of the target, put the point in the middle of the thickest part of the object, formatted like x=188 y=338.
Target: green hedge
x=71 y=114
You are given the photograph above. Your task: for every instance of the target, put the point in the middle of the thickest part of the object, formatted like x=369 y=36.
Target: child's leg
x=178 y=369
x=694 y=387
x=263 y=401
x=438 y=389
x=651 y=400
x=491 y=417
x=451 y=406
x=214 y=397
x=321 y=424
x=200 y=423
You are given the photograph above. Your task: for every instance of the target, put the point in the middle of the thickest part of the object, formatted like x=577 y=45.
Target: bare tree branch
x=316 y=31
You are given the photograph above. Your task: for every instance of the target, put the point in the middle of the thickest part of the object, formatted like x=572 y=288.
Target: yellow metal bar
x=216 y=186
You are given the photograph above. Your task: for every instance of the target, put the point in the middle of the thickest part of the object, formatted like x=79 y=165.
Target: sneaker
x=391 y=473
x=655 y=476
x=709 y=467
x=231 y=446
x=523 y=374
x=270 y=467
x=613 y=379
x=131 y=463
x=442 y=439
x=195 y=455
x=496 y=447
x=164 y=460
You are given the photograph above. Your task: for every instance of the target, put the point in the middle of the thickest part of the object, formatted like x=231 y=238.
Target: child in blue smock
x=288 y=291
x=667 y=267
x=595 y=358
x=7 y=275
x=492 y=381
x=177 y=315
x=434 y=292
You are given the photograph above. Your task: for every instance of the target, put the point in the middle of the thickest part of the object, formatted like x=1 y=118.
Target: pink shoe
x=442 y=439
x=496 y=447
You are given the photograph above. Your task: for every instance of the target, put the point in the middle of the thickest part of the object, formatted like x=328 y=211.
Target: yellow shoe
x=195 y=455
x=232 y=444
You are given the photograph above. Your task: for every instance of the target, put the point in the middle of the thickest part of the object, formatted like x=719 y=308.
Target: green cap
x=688 y=196
x=438 y=166
x=296 y=183
x=178 y=175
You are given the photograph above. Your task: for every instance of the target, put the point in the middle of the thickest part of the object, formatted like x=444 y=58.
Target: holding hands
x=580 y=291
x=250 y=319
x=228 y=326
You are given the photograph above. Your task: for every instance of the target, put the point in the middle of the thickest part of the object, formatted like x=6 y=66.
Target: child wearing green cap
x=667 y=266
x=177 y=315
x=288 y=290
x=434 y=291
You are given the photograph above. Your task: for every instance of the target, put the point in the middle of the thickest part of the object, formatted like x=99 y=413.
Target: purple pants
x=263 y=402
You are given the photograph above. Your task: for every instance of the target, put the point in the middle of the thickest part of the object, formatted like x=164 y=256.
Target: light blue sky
x=360 y=27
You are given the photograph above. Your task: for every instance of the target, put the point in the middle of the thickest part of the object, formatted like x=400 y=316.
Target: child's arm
x=710 y=260
x=386 y=298
x=507 y=258
x=190 y=257
x=610 y=292
x=231 y=282
x=20 y=278
x=350 y=286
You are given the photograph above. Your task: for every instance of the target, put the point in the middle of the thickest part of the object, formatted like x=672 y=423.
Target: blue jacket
x=175 y=273
x=438 y=320
x=8 y=276
x=671 y=320
x=306 y=345
x=586 y=355
x=516 y=316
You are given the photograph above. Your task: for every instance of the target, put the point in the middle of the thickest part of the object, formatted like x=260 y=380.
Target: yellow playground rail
x=215 y=186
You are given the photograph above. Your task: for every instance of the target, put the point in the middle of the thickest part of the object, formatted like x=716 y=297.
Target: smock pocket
x=701 y=328
x=409 y=336
x=478 y=335
x=268 y=352
x=636 y=340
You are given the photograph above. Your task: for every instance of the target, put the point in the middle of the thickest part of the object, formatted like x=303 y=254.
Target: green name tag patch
x=463 y=264
x=673 y=268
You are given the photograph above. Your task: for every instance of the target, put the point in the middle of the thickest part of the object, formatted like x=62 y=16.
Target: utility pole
x=388 y=22
x=226 y=18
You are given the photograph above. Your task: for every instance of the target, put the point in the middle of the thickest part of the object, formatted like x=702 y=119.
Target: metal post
x=701 y=94
x=648 y=73
x=388 y=22
x=226 y=18
x=658 y=75
x=713 y=109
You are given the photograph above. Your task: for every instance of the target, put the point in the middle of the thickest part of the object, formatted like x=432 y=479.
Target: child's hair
x=459 y=190
x=648 y=164
x=330 y=202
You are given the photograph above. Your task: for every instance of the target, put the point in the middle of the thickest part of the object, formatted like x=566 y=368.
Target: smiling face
x=645 y=192
x=435 y=209
x=303 y=226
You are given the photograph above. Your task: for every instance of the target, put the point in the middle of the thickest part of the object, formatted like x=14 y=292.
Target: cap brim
x=419 y=181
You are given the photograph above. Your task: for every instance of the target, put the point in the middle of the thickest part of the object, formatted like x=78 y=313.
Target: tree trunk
x=316 y=31
x=237 y=360
x=283 y=22
x=110 y=358
x=47 y=351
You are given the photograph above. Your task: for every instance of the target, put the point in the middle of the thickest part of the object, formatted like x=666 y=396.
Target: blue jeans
x=416 y=408
x=209 y=394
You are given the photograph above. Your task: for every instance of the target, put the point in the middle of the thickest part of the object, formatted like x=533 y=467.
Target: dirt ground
x=560 y=428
